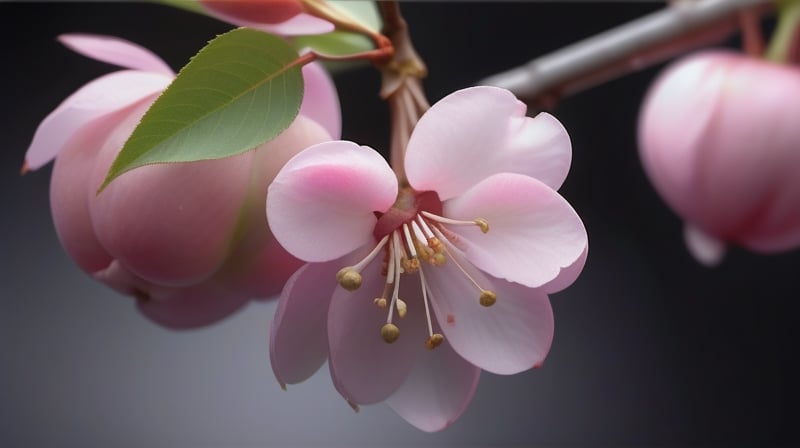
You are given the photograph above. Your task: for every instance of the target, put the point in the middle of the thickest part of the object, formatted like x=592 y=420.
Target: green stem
x=786 y=32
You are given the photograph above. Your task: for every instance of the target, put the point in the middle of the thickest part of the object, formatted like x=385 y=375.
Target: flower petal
x=508 y=337
x=174 y=308
x=102 y=96
x=299 y=25
x=299 y=334
x=567 y=275
x=320 y=101
x=365 y=368
x=438 y=389
x=69 y=198
x=117 y=51
x=534 y=232
x=321 y=204
x=703 y=247
x=477 y=132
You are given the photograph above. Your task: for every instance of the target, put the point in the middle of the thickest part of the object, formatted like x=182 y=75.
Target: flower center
x=413 y=236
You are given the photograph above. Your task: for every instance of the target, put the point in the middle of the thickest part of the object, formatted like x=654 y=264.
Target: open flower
x=719 y=138
x=188 y=240
x=458 y=260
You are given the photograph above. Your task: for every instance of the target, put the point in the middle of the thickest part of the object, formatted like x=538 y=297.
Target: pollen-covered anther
x=381 y=302
x=436 y=244
x=434 y=341
x=390 y=333
x=348 y=278
x=488 y=298
x=483 y=224
x=402 y=308
x=410 y=265
x=438 y=259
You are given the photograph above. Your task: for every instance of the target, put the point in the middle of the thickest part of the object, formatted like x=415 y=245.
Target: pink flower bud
x=720 y=139
x=263 y=11
x=190 y=241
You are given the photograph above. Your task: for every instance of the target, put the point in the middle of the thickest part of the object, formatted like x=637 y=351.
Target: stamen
x=395 y=258
x=424 y=286
x=390 y=333
x=487 y=297
x=380 y=302
x=402 y=308
x=409 y=241
x=349 y=277
x=434 y=341
x=480 y=222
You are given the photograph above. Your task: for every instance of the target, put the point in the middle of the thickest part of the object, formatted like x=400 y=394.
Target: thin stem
x=401 y=86
x=683 y=26
x=752 y=37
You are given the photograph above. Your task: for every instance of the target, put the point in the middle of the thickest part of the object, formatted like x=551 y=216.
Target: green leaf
x=364 y=11
x=241 y=90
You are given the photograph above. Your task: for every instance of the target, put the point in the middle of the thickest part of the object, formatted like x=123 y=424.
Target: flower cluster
x=412 y=287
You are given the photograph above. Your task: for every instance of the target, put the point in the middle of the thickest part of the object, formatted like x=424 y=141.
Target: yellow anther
x=410 y=265
x=435 y=244
x=390 y=333
x=434 y=341
x=348 y=278
x=488 y=298
x=402 y=308
x=438 y=259
x=381 y=302
x=483 y=224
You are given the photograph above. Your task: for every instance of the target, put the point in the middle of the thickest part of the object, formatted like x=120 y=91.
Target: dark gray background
x=650 y=348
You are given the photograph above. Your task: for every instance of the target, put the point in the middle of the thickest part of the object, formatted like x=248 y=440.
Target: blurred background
x=650 y=348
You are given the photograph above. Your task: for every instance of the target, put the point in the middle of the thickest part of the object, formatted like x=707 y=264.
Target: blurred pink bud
x=720 y=140
x=263 y=11
x=281 y=17
x=189 y=240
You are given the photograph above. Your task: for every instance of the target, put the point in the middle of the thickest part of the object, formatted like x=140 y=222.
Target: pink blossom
x=189 y=240
x=281 y=17
x=720 y=140
x=478 y=235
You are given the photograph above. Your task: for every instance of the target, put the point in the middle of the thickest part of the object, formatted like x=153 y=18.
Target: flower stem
x=401 y=86
x=783 y=47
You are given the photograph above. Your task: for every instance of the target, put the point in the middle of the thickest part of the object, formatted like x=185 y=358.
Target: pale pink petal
x=117 y=51
x=703 y=247
x=365 y=368
x=192 y=307
x=508 y=337
x=321 y=205
x=320 y=101
x=567 y=275
x=299 y=333
x=477 y=132
x=102 y=96
x=533 y=232
x=299 y=25
x=69 y=201
x=175 y=308
x=438 y=389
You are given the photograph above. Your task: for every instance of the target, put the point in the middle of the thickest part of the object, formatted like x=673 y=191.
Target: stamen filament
x=480 y=222
x=424 y=286
x=409 y=241
x=349 y=277
x=394 y=255
x=487 y=298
